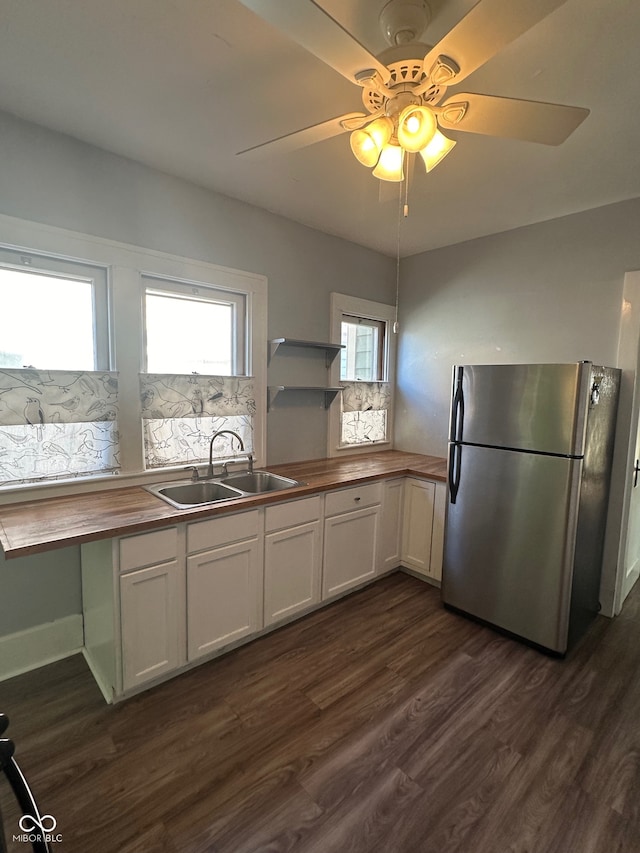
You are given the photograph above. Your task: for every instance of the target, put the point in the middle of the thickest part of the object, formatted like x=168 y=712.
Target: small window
x=362 y=415
x=363 y=355
x=53 y=314
x=193 y=329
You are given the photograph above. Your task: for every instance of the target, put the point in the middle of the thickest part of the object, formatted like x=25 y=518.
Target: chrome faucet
x=213 y=438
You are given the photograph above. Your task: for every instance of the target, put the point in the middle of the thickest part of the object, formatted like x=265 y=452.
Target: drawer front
x=202 y=535
x=292 y=513
x=357 y=497
x=158 y=546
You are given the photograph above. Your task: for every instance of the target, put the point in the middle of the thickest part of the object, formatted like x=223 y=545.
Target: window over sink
x=74 y=357
x=195 y=359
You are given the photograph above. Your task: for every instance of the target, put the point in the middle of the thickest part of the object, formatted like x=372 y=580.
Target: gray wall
x=50 y=178
x=39 y=588
x=547 y=292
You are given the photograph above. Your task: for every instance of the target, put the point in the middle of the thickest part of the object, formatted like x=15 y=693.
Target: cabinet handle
x=356 y=499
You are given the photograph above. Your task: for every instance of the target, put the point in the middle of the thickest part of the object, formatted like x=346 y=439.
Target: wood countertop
x=48 y=523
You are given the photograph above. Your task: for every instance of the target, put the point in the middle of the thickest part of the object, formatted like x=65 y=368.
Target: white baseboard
x=40 y=645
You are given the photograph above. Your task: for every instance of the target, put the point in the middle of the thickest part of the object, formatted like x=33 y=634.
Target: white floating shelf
x=329 y=393
x=331 y=350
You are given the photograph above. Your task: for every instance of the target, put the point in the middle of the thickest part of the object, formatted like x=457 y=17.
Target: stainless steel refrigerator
x=529 y=470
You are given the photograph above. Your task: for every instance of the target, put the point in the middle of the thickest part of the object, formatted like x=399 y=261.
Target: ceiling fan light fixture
x=416 y=128
x=437 y=149
x=368 y=143
x=389 y=166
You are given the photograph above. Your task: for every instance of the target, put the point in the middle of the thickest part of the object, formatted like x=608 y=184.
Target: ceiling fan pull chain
x=405 y=209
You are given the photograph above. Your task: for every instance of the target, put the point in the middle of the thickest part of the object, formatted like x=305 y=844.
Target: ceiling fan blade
x=531 y=121
x=310 y=26
x=484 y=30
x=307 y=136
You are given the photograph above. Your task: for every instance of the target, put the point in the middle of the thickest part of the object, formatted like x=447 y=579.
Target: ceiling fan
x=404 y=89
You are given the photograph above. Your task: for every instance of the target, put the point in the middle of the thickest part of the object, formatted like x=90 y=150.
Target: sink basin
x=189 y=494
x=257 y=482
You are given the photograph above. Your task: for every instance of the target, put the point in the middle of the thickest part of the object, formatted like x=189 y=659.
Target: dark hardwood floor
x=381 y=723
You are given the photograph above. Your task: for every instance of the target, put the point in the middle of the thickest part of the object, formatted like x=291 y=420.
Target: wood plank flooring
x=381 y=723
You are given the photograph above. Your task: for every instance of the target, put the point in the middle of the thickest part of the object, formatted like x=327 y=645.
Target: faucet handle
x=195 y=476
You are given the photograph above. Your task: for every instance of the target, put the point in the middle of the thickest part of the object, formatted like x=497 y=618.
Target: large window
x=362 y=413
x=58 y=401
x=195 y=383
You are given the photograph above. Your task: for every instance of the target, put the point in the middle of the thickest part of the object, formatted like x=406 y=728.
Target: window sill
x=351 y=448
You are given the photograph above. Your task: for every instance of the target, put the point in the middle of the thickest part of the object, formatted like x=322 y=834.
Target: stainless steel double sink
x=185 y=494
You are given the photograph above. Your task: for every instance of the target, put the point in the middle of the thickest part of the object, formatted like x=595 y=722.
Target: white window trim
x=340 y=304
x=126 y=264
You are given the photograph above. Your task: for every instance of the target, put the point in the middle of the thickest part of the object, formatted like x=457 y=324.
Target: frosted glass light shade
x=416 y=127
x=368 y=142
x=436 y=150
x=389 y=167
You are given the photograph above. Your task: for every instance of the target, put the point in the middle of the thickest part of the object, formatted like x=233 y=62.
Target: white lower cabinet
x=292 y=558
x=350 y=537
x=423 y=534
x=224 y=583
x=150 y=623
x=156 y=601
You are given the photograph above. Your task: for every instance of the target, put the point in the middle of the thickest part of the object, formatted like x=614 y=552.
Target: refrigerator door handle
x=457 y=411
x=455 y=464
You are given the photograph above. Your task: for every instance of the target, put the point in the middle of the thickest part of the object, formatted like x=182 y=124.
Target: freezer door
x=539 y=407
x=509 y=542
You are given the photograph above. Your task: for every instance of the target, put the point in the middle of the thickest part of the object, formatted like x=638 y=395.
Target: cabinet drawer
x=354 y=498
x=148 y=548
x=221 y=531
x=292 y=513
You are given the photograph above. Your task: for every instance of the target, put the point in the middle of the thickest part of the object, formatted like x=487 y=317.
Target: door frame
x=616 y=585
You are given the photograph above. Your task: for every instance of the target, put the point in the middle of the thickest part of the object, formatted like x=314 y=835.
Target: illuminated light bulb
x=416 y=127
x=436 y=150
x=368 y=142
x=389 y=166
x=413 y=124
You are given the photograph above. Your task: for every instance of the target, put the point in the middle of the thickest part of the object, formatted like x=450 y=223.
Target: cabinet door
x=390 y=542
x=350 y=549
x=292 y=570
x=418 y=526
x=149 y=607
x=223 y=596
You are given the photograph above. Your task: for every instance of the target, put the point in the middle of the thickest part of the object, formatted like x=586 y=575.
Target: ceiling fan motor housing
x=406 y=65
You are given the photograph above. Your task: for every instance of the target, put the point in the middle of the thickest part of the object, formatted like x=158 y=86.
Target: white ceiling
x=182 y=85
